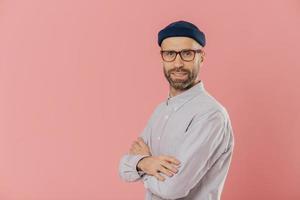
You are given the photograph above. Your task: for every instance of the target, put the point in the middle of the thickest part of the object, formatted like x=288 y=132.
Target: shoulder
x=211 y=111
x=156 y=111
x=207 y=106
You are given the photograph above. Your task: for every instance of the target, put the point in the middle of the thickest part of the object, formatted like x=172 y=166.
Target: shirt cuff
x=135 y=161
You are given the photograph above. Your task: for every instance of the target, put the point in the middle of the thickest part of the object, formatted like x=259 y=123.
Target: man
x=185 y=150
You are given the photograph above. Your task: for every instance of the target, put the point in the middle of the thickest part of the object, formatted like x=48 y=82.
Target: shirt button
x=166 y=117
x=158 y=137
x=175 y=109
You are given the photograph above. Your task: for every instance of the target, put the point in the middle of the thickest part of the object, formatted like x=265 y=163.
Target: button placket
x=166 y=117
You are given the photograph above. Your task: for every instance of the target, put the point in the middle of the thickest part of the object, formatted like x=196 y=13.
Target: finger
x=136 y=143
x=169 y=166
x=170 y=159
x=135 y=149
x=141 y=142
x=159 y=177
x=131 y=151
x=165 y=171
x=135 y=146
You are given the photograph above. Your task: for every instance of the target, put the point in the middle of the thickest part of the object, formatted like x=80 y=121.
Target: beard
x=181 y=84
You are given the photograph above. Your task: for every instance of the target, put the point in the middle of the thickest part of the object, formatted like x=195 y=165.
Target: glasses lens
x=187 y=55
x=168 y=55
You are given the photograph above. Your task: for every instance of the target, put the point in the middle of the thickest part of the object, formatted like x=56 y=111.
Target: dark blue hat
x=182 y=28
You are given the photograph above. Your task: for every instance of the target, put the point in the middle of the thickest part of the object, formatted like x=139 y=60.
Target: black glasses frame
x=180 y=54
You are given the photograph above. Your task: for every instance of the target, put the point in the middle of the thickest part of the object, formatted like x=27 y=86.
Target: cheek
x=167 y=66
x=189 y=66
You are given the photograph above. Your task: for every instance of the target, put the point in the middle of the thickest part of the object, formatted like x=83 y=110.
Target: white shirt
x=194 y=128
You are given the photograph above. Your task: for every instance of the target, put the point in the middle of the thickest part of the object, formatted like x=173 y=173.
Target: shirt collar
x=180 y=99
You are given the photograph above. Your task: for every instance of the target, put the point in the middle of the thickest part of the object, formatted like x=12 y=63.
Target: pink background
x=79 y=79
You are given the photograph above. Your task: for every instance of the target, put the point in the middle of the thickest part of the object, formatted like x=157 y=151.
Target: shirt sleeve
x=128 y=163
x=204 y=142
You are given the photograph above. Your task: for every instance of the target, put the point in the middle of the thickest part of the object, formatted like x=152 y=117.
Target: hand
x=153 y=164
x=139 y=147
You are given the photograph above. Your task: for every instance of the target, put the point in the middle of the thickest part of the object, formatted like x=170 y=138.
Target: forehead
x=179 y=43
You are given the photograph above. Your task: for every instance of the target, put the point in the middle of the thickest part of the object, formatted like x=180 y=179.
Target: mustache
x=178 y=70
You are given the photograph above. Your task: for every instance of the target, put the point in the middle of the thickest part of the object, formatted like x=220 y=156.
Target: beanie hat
x=182 y=28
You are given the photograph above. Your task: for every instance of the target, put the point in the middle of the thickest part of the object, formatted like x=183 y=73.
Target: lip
x=179 y=73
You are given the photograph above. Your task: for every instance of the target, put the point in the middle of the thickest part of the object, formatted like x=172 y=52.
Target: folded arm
x=204 y=143
x=128 y=164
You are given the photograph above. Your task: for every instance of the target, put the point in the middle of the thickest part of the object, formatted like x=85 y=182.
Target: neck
x=173 y=92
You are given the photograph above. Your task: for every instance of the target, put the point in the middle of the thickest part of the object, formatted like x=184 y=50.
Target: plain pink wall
x=79 y=79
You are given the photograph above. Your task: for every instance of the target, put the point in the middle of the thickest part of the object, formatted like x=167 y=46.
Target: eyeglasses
x=185 y=54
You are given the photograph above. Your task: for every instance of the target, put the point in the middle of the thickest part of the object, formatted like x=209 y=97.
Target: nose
x=178 y=62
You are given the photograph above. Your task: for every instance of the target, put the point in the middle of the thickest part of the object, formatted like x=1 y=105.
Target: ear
x=202 y=56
